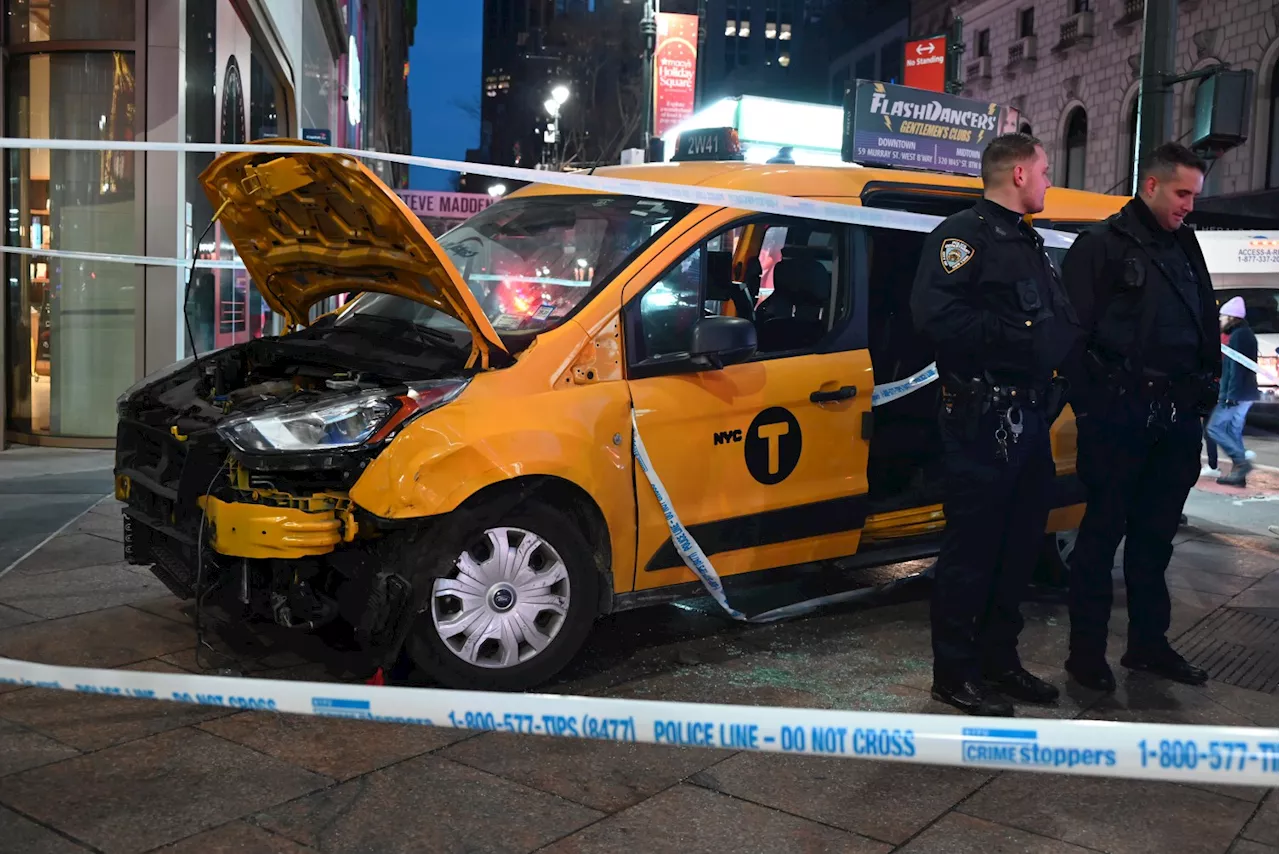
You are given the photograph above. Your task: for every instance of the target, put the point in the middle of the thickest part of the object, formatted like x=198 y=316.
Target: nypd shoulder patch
x=954 y=254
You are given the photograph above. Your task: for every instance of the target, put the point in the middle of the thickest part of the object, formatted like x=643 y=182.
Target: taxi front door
x=764 y=460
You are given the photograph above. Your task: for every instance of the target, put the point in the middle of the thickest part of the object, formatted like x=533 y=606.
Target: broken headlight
x=340 y=424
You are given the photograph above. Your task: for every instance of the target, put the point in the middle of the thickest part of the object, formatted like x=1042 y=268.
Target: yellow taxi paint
x=563 y=409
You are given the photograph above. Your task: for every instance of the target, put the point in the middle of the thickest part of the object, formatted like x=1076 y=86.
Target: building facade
x=880 y=51
x=75 y=333
x=1071 y=67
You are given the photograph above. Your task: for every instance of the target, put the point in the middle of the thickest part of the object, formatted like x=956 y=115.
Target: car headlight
x=336 y=425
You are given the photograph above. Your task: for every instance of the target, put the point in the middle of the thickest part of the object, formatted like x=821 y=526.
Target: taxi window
x=788 y=290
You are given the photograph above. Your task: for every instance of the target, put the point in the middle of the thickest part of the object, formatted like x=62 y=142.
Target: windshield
x=1261 y=307
x=531 y=262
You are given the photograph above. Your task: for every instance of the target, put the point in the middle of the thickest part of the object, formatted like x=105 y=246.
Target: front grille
x=167 y=475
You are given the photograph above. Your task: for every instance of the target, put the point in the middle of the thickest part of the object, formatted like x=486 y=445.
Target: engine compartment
x=250 y=377
x=175 y=461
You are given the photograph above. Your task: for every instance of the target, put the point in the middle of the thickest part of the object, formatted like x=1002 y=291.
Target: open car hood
x=310 y=226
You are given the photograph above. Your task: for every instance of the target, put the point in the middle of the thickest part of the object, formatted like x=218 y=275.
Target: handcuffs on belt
x=981 y=394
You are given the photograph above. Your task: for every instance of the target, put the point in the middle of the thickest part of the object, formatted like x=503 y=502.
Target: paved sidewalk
x=82 y=773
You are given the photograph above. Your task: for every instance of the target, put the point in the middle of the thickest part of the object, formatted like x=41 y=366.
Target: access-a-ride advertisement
x=892 y=125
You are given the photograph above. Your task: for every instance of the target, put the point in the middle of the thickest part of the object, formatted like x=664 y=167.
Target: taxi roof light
x=708 y=144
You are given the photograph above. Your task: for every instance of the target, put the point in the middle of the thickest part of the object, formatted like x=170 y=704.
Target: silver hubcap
x=1066 y=541
x=505 y=600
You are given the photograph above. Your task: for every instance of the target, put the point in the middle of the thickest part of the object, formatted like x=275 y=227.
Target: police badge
x=955 y=253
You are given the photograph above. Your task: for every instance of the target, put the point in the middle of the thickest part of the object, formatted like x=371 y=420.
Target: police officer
x=988 y=297
x=1148 y=371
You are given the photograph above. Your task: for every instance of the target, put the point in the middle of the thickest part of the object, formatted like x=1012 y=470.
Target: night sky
x=444 y=86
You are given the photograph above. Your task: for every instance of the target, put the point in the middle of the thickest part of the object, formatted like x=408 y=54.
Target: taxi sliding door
x=764 y=460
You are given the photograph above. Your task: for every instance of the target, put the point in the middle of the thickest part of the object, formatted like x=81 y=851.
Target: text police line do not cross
x=1246 y=756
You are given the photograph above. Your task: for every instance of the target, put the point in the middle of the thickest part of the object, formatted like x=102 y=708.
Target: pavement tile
x=109 y=527
x=337 y=748
x=813 y=668
x=693 y=820
x=605 y=775
x=10 y=617
x=1117 y=816
x=148 y=793
x=22 y=836
x=1263 y=826
x=1245 y=846
x=77 y=591
x=1143 y=698
x=108 y=506
x=962 y=834
x=1219 y=554
x=1264 y=594
x=170 y=607
x=438 y=806
x=1261 y=709
x=21 y=749
x=1208 y=581
x=107 y=638
x=71 y=551
x=235 y=838
x=93 y=721
x=739 y=685
x=888 y=801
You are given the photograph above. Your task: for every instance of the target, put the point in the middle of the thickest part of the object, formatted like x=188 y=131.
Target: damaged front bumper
x=280 y=551
x=287 y=528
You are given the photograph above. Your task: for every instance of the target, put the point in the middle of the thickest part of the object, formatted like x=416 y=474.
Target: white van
x=1247 y=264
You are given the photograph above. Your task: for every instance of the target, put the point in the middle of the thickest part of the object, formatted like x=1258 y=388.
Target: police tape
x=1241 y=359
x=1241 y=756
x=886 y=392
x=791 y=206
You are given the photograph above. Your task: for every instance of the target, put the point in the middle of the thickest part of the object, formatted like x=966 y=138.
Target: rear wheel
x=515 y=605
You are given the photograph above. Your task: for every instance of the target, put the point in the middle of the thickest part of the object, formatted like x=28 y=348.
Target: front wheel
x=514 y=606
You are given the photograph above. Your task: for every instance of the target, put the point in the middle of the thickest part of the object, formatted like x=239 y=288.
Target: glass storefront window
x=71 y=324
x=232 y=96
x=319 y=99
x=33 y=21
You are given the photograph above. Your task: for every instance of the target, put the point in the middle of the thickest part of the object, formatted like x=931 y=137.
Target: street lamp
x=552 y=105
x=496 y=190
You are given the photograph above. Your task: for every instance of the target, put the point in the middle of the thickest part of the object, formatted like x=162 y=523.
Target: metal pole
x=649 y=30
x=1155 y=92
x=955 y=56
x=700 y=65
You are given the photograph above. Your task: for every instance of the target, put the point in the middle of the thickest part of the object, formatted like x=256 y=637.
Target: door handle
x=842 y=393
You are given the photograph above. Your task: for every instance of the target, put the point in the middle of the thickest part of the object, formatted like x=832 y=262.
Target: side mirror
x=720 y=341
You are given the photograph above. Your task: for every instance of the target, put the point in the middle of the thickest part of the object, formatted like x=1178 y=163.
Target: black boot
x=1166 y=664
x=1238 y=474
x=1021 y=685
x=1092 y=672
x=973 y=698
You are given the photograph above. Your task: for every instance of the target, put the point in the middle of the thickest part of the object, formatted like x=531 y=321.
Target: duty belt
x=981 y=394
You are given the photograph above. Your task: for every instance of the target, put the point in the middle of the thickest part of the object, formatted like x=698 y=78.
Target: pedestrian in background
x=1146 y=375
x=1236 y=393
x=989 y=299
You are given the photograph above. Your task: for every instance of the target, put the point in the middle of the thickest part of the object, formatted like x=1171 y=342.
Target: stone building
x=1072 y=68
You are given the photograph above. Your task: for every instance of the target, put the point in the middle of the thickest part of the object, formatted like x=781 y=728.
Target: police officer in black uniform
x=1148 y=371
x=988 y=297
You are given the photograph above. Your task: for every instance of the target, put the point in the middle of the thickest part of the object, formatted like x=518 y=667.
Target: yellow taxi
x=443 y=469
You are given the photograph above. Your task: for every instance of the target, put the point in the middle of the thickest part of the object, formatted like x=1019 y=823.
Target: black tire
x=461 y=532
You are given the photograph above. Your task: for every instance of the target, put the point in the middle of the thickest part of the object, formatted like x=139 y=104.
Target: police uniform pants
x=996 y=513
x=1137 y=479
